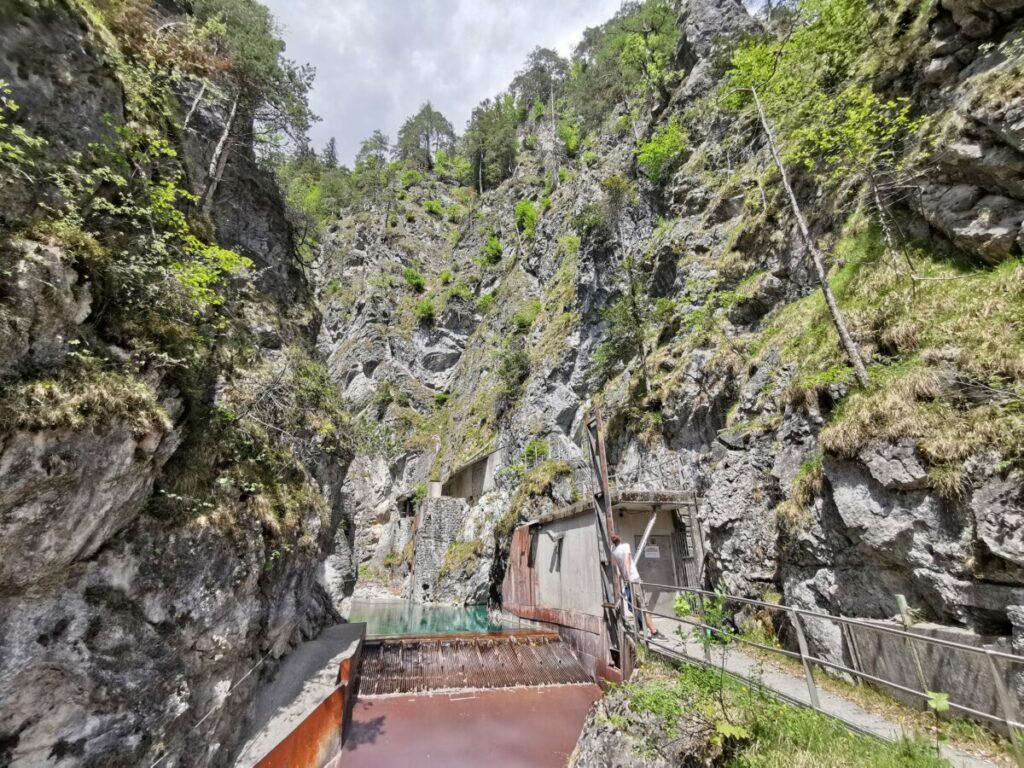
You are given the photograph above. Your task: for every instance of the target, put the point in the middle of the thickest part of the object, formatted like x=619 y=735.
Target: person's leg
x=644 y=617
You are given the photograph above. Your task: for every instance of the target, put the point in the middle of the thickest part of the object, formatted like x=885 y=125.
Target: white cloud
x=377 y=61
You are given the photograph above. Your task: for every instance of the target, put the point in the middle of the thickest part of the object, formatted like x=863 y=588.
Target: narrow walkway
x=792 y=687
x=305 y=678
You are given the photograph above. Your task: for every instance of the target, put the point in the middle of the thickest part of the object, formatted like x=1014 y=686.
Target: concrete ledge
x=667 y=500
x=309 y=679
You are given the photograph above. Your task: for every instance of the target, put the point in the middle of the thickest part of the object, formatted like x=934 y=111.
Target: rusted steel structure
x=318 y=739
x=417 y=664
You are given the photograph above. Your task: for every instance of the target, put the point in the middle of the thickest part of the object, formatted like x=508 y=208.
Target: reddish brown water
x=507 y=728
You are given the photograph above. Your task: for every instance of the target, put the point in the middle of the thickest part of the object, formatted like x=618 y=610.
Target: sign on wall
x=652 y=552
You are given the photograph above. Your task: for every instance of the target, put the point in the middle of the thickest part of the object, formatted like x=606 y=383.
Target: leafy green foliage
x=844 y=134
x=664 y=152
x=526 y=218
x=525 y=318
x=613 y=62
x=486 y=302
x=569 y=133
x=542 y=74
x=425 y=311
x=513 y=369
x=434 y=208
x=422 y=136
x=492 y=249
x=699 y=713
x=16 y=145
x=459 y=558
x=410 y=177
x=414 y=279
x=535 y=451
x=625 y=323
x=490 y=141
x=272 y=88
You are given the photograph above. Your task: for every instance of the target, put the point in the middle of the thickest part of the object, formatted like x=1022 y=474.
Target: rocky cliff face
x=161 y=549
x=841 y=499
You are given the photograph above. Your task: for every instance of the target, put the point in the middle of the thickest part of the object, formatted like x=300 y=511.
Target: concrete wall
x=438 y=523
x=572 y=583
x=965 y=676
x=476 y=479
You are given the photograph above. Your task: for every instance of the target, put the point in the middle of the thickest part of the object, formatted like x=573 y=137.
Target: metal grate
x=436 y=664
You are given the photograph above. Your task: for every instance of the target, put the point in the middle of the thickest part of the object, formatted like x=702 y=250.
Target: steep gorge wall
x=160 y=550
x=837 y=498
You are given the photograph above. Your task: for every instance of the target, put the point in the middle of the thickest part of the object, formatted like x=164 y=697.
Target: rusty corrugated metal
x=498 y=660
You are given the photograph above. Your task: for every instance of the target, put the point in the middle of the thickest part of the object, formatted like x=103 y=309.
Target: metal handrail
x=807 y=659
x=843 y=620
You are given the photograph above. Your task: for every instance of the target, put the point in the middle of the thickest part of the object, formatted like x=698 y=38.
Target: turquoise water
x=402 y=617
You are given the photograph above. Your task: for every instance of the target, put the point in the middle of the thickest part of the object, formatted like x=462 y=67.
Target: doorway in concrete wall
x=657 y=565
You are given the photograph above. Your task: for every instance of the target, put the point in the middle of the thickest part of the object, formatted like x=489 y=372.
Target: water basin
x=402 y=617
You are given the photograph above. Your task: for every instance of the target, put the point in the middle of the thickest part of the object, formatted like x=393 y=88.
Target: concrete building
x=554 y=569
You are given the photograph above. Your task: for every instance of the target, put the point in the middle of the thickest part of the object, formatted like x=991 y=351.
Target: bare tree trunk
x=848 y=344
x=195 y=105
x=216 y=170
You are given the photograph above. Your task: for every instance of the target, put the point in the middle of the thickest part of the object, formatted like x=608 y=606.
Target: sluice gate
x=421 y=664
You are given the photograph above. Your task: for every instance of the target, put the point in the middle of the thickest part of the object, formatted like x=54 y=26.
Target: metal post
x=812 y=689
x=1005 y=702
x=647 y=531
x=605 y=528
x=697 y=538
x=704 y=636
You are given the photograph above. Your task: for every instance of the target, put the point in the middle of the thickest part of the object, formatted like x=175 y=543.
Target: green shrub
x=545 y=204
x=592 y=223
x=523 y=319
x=530 y=142
x=410 y=216
x=513 y=368
x=441 y=399
x=526 y=218
x=446 y=276
x=663 y=153
x=456 y=213
x=565 y=175
x=434 y=208
x=569 y=133
x=459 y=558
x=492 y=250
x=414 y=279
x=410 y=177
x=536 y=450
x=485 y=302
x=589 y=158
x=460 y=291
x=425 y=311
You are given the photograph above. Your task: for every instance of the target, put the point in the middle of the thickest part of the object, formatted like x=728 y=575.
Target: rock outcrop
x=143 y=596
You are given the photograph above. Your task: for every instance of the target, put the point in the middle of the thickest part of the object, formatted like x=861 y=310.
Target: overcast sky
x=377 y=61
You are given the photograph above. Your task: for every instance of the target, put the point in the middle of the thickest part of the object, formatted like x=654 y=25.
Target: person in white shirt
x=623 y=556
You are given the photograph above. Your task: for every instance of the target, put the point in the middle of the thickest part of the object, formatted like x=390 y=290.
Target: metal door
x=656 y=565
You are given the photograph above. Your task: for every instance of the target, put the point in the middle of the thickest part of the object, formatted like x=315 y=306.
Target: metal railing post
x=812 y=689
x=1005 y=702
